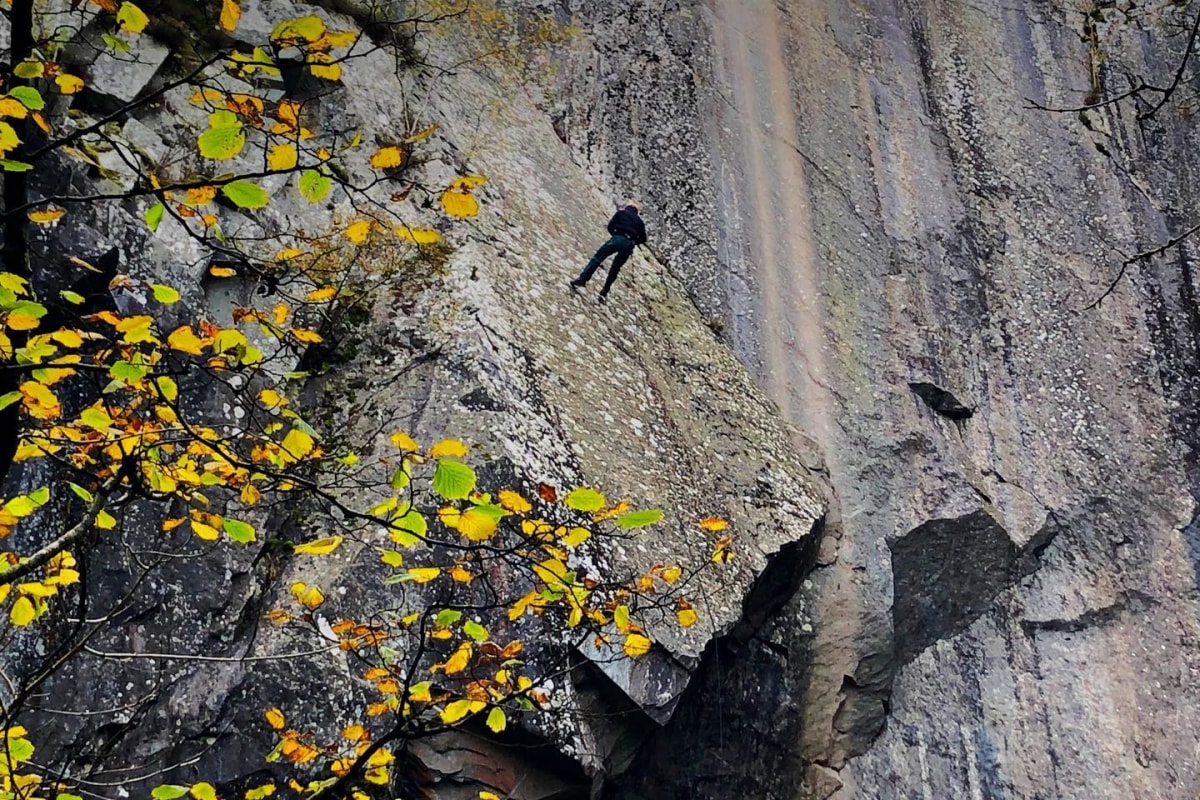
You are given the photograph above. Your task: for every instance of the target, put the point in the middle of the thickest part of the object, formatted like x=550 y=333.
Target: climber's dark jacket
x=627 y=222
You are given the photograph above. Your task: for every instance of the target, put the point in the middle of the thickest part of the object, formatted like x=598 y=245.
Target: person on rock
x=628 y=231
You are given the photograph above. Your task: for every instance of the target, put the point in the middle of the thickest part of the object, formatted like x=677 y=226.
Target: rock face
x=1001 y=601
x=1007 y=603
x=484 y=343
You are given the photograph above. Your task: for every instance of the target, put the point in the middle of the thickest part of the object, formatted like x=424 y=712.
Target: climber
x=628 y=231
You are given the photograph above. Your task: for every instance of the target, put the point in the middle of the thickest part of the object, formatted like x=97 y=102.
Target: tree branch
x=72 y=535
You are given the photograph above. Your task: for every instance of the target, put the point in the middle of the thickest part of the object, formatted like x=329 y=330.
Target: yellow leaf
x=306 y=336
x=459 y=204
x=392 y=558
x=714 y=524
x=722 y=553
x=283 y=157
x=576 y=536
x=324 y=293
x=422 y=135
x=298 y=443
x=321 y=66
x=312 y=598
x=185 y=340
x=621 y=618
x=206 y=532
x=385 y=158
x=319 y=547
x=496 y=720
x=686 y=616
x=489 y=796
x=459 y=660
x=45 y=215
x=131 y=18
x=68 y=84
x=22 y=612
x=419 y=235
x=671 y=574
x=203 y=791
x=222 y=272
x=19 y=321
x=461 y=575
x=12 y=107
x=230 y=13
x=477 y=525
x=404 y=441
x=451 y=448
x=424 y=574
x=358 y=232
x=636 y=645
x=354 y=733
x=276 y=719
x=455 y=711
x=67 y=338
x=8 y=137
x=514 y=502
x=201 y=195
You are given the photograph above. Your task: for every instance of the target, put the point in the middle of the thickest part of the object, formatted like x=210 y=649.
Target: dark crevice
x=942 y=401
x=1130 y=602
x=732 y=729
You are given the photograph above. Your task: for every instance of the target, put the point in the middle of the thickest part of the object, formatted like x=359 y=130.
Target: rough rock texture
x=1007 y=605
x=1002 y=605
x=488 y=345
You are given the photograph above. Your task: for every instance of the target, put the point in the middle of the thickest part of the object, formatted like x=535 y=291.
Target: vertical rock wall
x=1006 y=603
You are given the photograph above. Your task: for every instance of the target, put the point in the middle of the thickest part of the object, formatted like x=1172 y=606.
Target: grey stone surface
x=890 y=210
x=1000 y=606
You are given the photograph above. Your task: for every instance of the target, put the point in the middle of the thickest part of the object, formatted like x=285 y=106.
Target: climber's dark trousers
x=622 y=246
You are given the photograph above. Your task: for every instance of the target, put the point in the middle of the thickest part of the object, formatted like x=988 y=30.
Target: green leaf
x=153 y=216
x=165 y=294
x=222 y=143
x=585 y=499
x=168 y=791
x=447 y=617
x=130 y=373
x=409 y=529
x=400 y=478
x=496 y=720
x=29 y=69
x=119 y=45
x=18 y=749
x=238 y=531
x=8 y=398
x=453 y=480
x=66 y=796
x=314 y=186
x=80 y=492
x=30 y=98
x=40 y=496
x=475 y=630
x=14 y=166
x=307 y=29
x=96 y=418
x=245 y=194
x=639 y=519
x=74 y=298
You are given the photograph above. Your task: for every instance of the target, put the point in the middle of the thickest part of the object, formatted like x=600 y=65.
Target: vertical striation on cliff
x=1006 y=604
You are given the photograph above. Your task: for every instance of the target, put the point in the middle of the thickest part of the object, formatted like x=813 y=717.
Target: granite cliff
x=967 y=561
